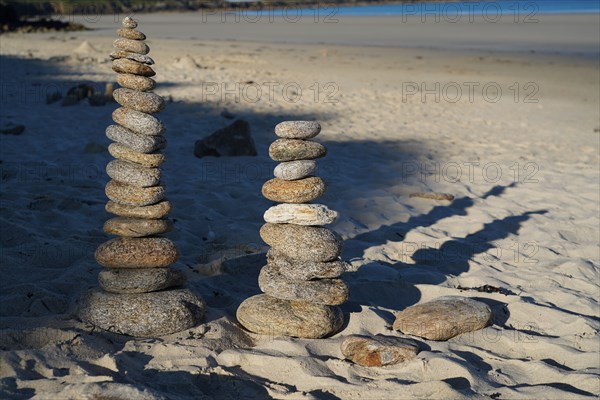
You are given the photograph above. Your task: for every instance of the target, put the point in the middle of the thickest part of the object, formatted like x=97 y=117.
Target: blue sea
x=464 y=8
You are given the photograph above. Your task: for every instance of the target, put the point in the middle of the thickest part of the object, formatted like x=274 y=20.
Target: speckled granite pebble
x=378 y=350
x=294 y=149
x=129 y=23
x=134 y=46
x=293 y=170
x=147 y=252
x=140 y=101
x=135 y=82
x=306 y=270
x=132 y=34
x=300 y=214
x=132 y=173
x=136 y=227
x=139 y=280
x=154 y=211
x=298 y=129
x=299 y=191
x=307 y=243
x=135 y=141
x=142 y=314
x=119 y=151
x=267 y=315
x=138 y=122
x=322 y=291
x=127 y=66
x=133 y=195
x=141 y=58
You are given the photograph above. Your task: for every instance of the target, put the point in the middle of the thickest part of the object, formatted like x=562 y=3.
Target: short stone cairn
x=136 y=299
x=300 y=282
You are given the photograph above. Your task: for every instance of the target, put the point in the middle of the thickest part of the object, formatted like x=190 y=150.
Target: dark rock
x=12 y=129
x=233 y=140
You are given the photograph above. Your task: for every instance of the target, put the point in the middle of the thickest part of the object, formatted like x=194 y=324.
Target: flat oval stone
x=141 y=58
x=300 y=191
x=138 y=122
x=121 y=152
x=300 y=214
x=132 y=173
x=135 y=227
x=306 y=243
x=139 y=280
x=443 y=318
x=130 y=195
x=129 y=23
x=294 y=149
x=132 y=34
x=306 y=270
x=154 y=211
x=292 y=170
x=136 y=82
x=142 y=314
x=323 y=291
x=378 y=350
x=139 y=101
x=267 y=315
x=147 y=252
x=134 y=46
x=298 y=129
x=135 y=141
x=127 y=66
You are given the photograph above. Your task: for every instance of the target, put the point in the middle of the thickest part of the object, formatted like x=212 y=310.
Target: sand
x=523 y=168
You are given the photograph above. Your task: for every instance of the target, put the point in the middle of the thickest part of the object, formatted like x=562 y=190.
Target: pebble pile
x=300 y=282
x=135 y=299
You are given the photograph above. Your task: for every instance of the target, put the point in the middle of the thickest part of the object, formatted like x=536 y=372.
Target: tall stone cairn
x=136 y=299
x=300 y=282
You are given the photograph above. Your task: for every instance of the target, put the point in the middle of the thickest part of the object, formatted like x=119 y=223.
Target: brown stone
x=305 y=243
x=148 y=252
x=294 y=149
x=136 y=82
x=131 y=34
x=299 y=191
x=138 y=122
x=140 y=101
x=122 y=152
x=306 y=270
x=134 y=227
x=139 y=280
x=127 y=66
x=379 y=350
x=154 y=211
x=135 y=46
x=130 y=195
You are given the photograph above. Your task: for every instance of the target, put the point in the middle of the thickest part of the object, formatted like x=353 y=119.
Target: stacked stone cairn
x=136 y=299
x=300 y=282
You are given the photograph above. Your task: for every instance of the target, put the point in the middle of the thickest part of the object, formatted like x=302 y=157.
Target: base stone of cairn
x=300 y=283
x=139 y=295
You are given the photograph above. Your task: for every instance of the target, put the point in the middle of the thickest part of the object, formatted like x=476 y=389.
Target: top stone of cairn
x=298 y=129
x=129 y=23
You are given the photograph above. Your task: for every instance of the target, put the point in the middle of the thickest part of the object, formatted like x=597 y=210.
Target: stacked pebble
x=300 y=282
x=137 y=262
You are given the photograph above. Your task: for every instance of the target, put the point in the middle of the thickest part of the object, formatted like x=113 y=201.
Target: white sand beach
x=513 y=136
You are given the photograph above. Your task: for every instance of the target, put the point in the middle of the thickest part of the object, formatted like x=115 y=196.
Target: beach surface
x=513 y=136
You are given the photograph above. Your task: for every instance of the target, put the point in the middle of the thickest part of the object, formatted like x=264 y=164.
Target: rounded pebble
x=267 y=315
x=142 y=314
x=139 y=101
x=378 y=350
x=294 y=149
x=135 y=141
x=293 y=170
x=300 y=214
x=132 y=173
x=133 y=195
x=136 y=82
x=154 y=211
x=147 y=252
x=323 y=291
x=117 y=150
x=129 y=23
x=132 y=34
x=132 y=56
x=139 y=280
x=138 y=122
x=298 y=129
x=127 y=66
x=134 y=46
x=135 y=227
x=306 y=243
x=299 y=191
x=306 y=270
